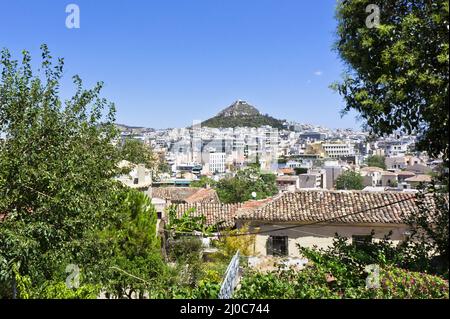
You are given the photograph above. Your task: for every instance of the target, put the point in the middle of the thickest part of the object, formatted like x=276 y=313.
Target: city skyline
x=167 y=64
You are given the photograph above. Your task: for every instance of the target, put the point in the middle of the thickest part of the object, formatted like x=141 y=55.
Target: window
x=277 y=246
x=361 y=240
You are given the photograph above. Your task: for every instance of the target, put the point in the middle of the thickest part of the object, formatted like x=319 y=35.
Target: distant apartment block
x=337 y=150
x=215 y=162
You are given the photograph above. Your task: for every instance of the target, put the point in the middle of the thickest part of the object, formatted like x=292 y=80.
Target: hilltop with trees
x=242 y=114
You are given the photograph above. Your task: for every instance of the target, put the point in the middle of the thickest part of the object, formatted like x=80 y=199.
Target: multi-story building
x=215 y=162
x=331 y=171
x=337 y=150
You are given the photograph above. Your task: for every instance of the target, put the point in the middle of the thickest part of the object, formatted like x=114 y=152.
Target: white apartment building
x=216 y=162
x=336 y=150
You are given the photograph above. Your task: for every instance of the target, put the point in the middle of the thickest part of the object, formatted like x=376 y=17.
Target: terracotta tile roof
x=217 y=212
x=214 y=212
x=185 y=194
x=419 y=169
x=287 y=178
x=175 y=194
x=419 y=178
x=287 y=171
x=253 y=204
x=387 y=173
x=372 y=169
x=311 y=206
x=405 y=173
x=204 y=195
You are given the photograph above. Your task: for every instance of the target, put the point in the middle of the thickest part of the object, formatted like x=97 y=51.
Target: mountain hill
x=241 y=114
x=132 y=129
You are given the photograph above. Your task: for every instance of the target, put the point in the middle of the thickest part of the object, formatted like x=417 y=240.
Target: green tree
x=341 y=271
x=300 y=170
x=398 y=80
x=350 y=180
x=282 y=159
x=135 y=151
x=186 y=223
x=239 y=188
x=398 y=72
x=57 y=163
x=376 y=161
x=133 y=263
x=204 y=182
x=433 y=236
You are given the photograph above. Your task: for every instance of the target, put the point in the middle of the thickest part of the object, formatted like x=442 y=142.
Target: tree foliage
x=341 y=272
x=376 y=161
x=135 y=151
x=398 y=80
x=239 y=188
x=398 y=72
x=133 y=262
x=349 y=180
x=57 y=163
x=300 y=170
x=235 y=240
x=187 y=223
x=430 y=230
x=243 y=121
x=204 y=182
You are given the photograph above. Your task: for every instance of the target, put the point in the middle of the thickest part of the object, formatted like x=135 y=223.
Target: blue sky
x=168 y=62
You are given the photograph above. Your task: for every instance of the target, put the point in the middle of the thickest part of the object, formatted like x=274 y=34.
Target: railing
x=231 y=278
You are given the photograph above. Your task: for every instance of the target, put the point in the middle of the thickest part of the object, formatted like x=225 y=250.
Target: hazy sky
x=168 y=62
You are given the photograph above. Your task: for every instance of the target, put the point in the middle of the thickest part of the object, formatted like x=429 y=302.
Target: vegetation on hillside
x=243 y=121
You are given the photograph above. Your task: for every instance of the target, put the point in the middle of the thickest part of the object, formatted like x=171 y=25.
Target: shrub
x=341 y=272
x=319 y=282
x=234 y=240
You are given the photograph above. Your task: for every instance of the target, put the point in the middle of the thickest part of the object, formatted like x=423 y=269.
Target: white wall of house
x=393 y=163
x=372 y=178
x=322 y=236
x=389 y=180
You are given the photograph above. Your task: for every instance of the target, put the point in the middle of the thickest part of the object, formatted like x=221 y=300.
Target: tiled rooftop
x=214 y=213
x=185 y=194
x=312 y=206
